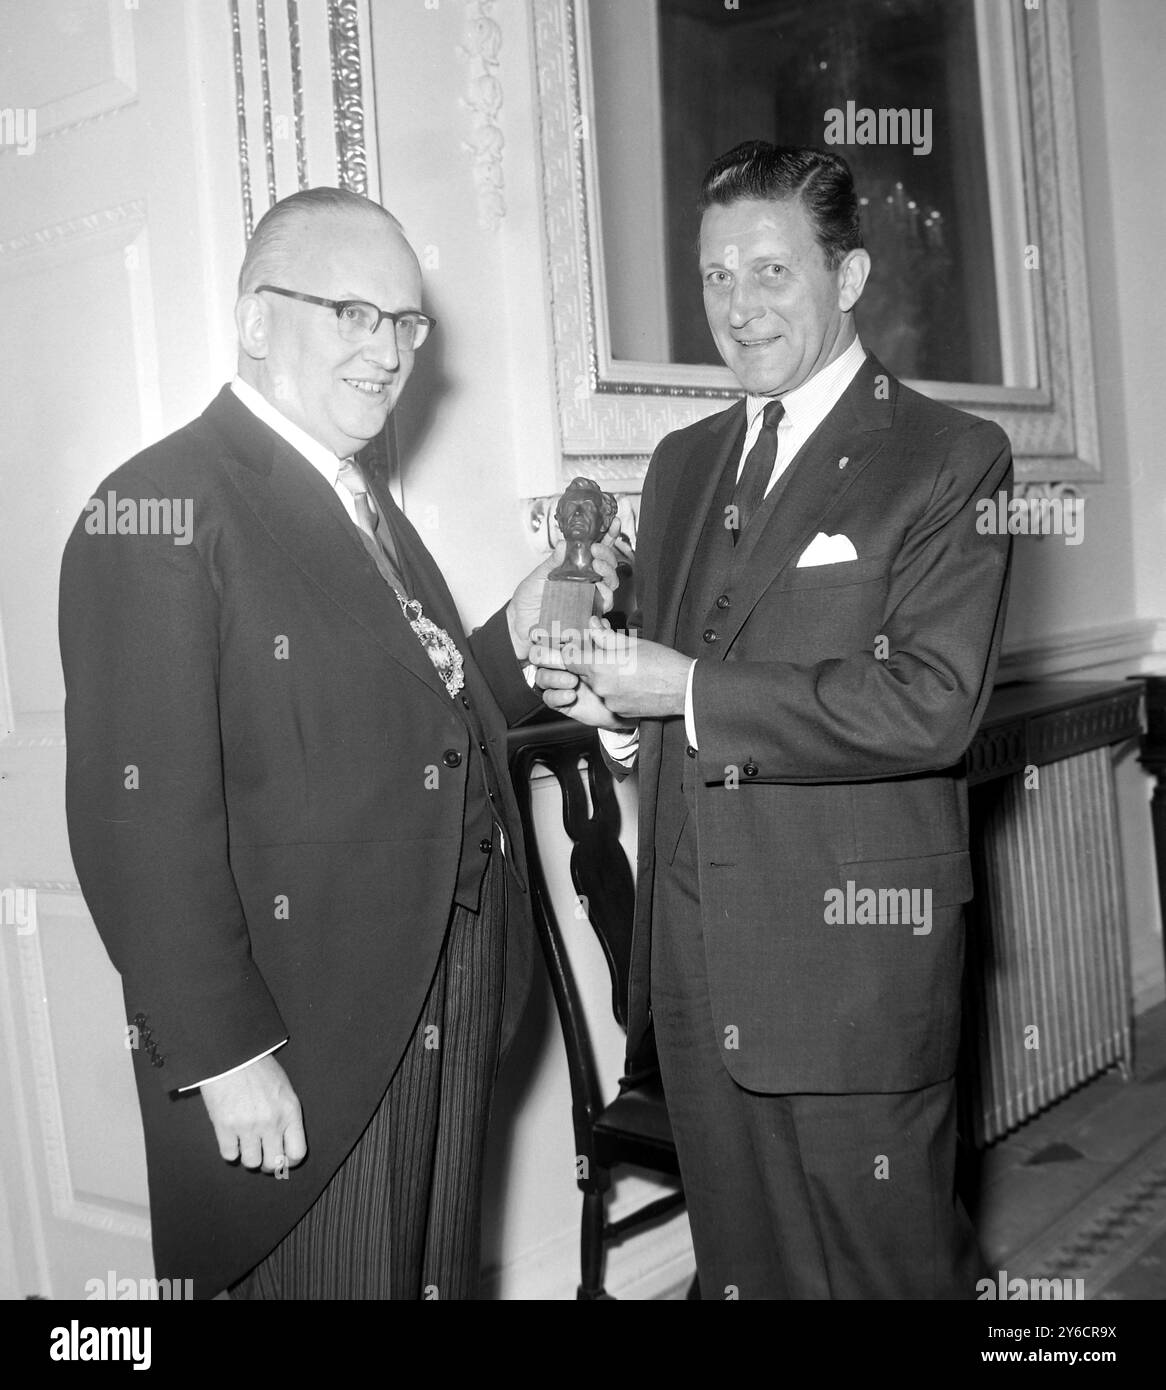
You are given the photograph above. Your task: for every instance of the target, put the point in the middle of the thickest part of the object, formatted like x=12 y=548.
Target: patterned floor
x=1080 y=1191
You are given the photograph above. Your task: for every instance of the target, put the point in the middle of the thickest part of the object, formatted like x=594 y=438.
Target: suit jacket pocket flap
x=948 y=876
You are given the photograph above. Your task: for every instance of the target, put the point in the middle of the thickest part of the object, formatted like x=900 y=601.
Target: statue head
x=585 y=511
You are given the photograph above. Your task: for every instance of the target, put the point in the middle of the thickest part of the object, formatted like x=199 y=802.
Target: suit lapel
x=700 y=474
x=305 y=518
x=421 y=569
x=828 y=464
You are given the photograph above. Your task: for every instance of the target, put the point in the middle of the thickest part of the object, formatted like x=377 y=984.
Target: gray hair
x=274 y=239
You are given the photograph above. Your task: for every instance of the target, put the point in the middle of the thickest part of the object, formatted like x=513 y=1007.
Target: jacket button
x=484 y=846
x=723 y=601
x=691 y=751
x=710 y=634
x=451 y=757
x=465 y=702
x=750 y=769
x=481 y=747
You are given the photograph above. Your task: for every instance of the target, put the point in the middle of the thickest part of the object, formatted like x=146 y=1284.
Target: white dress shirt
x=806 y=406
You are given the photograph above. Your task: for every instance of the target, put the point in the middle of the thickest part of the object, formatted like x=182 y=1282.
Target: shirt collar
x=807 y=405
x=323 y=460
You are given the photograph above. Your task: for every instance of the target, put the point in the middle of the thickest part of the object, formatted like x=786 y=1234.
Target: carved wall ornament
x=485 y=141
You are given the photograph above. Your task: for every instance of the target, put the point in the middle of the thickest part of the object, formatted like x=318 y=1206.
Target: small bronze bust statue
x=584 y=513
x=570 y=597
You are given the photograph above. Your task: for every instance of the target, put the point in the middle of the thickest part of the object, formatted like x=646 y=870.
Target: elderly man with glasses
x=289 y=807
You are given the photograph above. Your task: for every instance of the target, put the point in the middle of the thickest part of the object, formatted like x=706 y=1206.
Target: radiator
x=1047 y=993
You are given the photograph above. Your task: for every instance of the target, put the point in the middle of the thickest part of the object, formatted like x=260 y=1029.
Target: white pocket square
x=827 y=550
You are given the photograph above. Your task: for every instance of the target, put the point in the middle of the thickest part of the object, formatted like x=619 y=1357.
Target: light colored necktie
x=378 y=541
x=378 y=538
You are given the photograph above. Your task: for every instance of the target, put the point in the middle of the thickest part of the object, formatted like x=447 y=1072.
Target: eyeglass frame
x=339 y=305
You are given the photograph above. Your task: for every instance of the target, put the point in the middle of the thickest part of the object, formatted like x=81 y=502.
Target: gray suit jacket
x=846 y=750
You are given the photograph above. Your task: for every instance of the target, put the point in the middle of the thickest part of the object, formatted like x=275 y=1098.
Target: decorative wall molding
x=1051 y=491
x=65 y=886
x=1058 y=177
x=594 y=423
x=347 y=96
x=128 y=217
x=110 y=93
x=14 y=740
x=244 y=148
x=1037 y=735
x=484 y=42
x=66 y=1204
x=265 y=83
x=297 y=86
x=289 y=68
x=119 y=232
x=1122 y=645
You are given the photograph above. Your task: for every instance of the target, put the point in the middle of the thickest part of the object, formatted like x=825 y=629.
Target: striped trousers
x=401 y=1218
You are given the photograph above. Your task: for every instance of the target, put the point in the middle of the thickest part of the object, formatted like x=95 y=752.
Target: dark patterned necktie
x=751 y=485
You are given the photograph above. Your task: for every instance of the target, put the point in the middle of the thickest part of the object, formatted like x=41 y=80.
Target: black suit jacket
x=266 y=785
x=827 y=756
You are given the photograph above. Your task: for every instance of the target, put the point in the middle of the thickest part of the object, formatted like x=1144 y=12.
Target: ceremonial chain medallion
x=446 y=658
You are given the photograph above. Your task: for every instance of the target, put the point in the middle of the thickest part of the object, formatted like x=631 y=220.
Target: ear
x=852 y=274
x=252 y=323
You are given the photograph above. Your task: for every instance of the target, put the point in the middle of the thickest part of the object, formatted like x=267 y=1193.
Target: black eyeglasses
x=358 y=320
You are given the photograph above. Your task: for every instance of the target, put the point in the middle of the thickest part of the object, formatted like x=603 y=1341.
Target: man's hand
x=565 y=692
x=257 y=1117
x=522 y=612
x=632 y=678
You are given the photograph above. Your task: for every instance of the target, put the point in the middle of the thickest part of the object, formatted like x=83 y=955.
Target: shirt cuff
x=689 y=716
x=194 y=1085
x=621 y=745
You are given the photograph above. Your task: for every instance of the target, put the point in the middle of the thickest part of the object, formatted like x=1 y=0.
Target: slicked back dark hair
x=819 y=180
x=273 y=242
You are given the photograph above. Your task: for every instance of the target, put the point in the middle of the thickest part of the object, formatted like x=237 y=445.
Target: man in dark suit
x=288 y=800
x=821 y=625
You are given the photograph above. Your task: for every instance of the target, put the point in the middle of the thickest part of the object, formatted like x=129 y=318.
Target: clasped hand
x=610 y=679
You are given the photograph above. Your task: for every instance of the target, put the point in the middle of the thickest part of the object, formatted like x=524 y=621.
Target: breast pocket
x=837 y=575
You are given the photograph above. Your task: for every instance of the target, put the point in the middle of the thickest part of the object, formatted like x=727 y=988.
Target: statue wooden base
x=566 y=607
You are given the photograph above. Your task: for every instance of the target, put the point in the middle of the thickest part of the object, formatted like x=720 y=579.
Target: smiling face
x=778 y=314
x=340 y=393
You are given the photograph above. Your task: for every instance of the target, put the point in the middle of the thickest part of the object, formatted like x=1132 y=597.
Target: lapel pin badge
x=844 y=460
